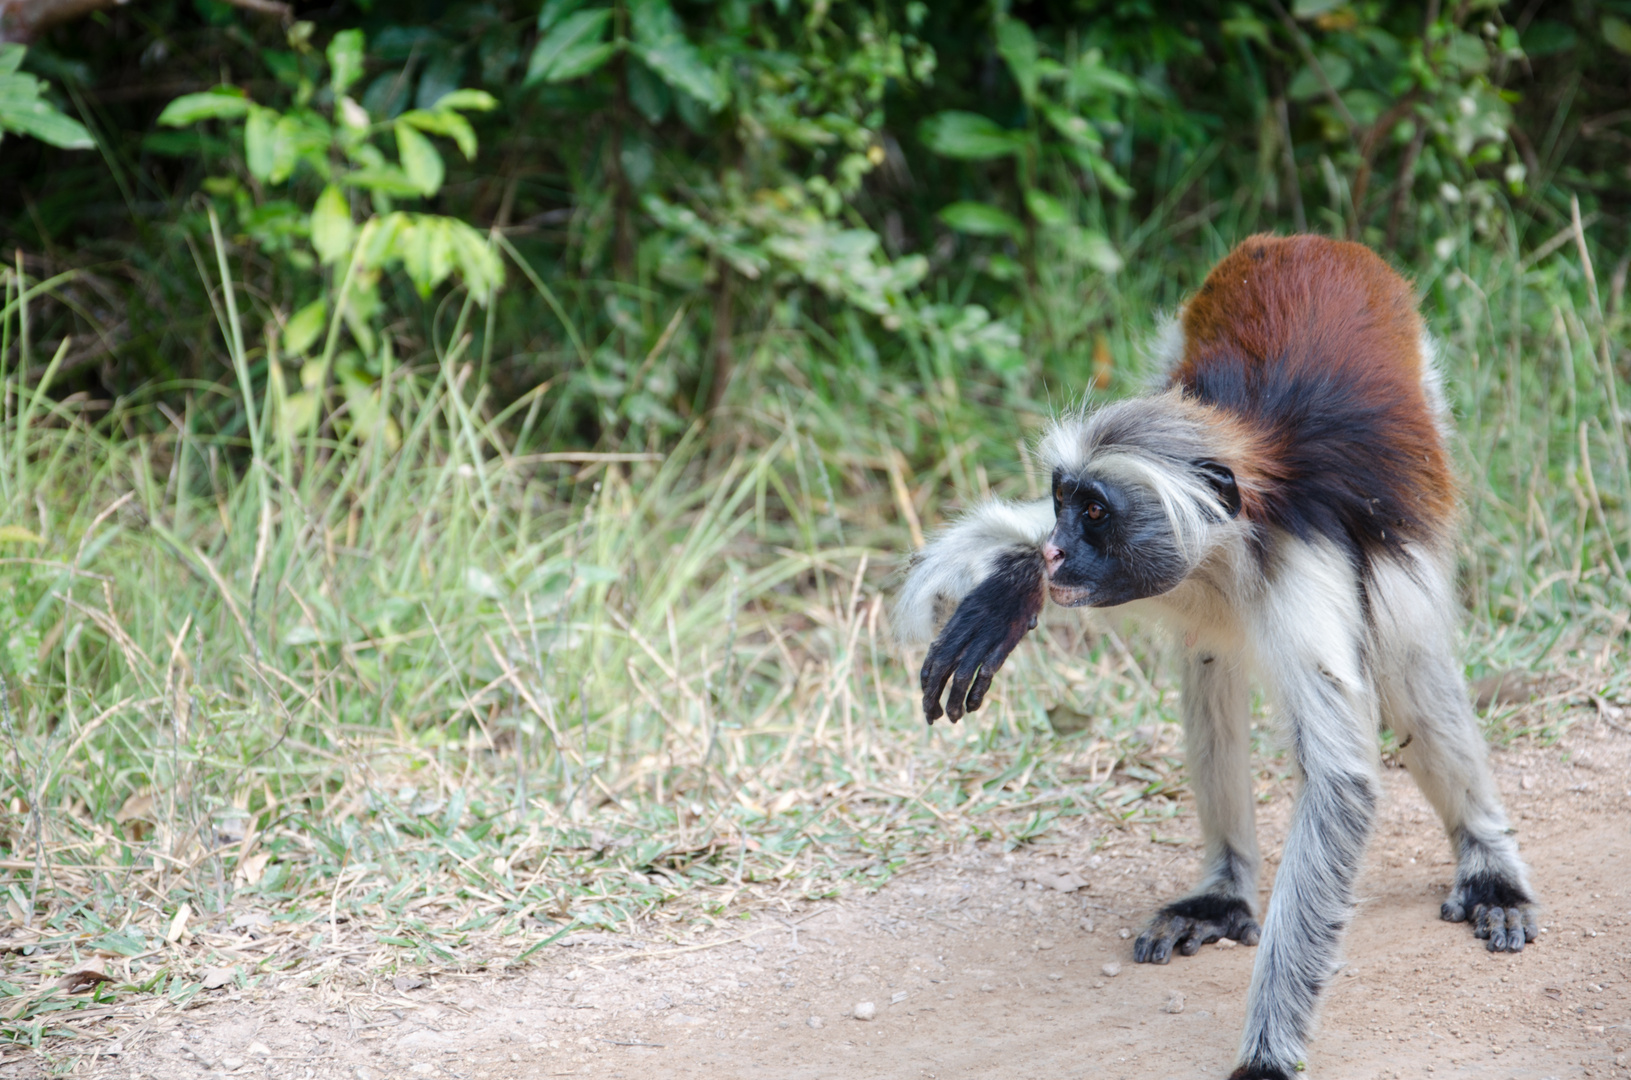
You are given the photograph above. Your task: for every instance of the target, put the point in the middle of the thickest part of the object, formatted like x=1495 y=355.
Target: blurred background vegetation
x=941 y=192
x=460 y=449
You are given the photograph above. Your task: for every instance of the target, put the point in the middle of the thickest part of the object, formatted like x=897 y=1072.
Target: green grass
x=428 y=696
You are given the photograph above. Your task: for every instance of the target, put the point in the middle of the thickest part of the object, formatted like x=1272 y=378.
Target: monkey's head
x=1140 y=500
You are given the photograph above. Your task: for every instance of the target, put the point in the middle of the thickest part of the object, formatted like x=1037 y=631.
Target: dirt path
x=973 y=972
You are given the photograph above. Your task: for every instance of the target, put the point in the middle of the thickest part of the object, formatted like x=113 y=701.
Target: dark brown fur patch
x=1312 y=347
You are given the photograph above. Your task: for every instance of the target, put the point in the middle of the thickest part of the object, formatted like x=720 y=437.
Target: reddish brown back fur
x=1311 y=348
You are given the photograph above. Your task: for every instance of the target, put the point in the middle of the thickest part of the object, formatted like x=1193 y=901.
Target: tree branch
x=26 y=20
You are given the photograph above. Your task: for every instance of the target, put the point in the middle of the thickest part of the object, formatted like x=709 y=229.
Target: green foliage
x=686 y=188
x=300 y=146
x=25 y=110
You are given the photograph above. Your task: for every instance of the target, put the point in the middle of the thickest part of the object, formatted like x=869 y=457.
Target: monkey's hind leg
x=1217 y=747
x=1424 y=701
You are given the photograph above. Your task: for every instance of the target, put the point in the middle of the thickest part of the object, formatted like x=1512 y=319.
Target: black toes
x=1262 y=1072
x=1192 y=922
x=1501 y=913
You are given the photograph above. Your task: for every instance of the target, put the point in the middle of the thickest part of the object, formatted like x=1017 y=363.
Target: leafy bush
x=964 y=188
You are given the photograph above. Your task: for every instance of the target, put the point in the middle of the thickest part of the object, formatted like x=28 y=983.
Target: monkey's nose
x=1052 y=556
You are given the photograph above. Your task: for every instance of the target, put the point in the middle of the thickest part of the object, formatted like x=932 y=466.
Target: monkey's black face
x=1112 y=544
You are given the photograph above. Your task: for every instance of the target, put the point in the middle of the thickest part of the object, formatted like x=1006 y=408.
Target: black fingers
x=981 y=633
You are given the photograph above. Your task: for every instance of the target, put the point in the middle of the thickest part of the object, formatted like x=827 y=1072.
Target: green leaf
x=1071 y=126
x=221 y=103
x=295 y=138
x=969 y=136
x=1094 y=248
x=444 y=122
x=426 y=250
x=478 y=264
x=980 y=219
x=1017 y=45
x=259 y=139
x=574 y=48
x=1047 y=210
x=470 y=100
x=660 y=41
x=345 y=59
x=383 y=180
x=331 y=228
x=11 y=57
x=1307 y=83
x=1617 y=33
x=306 y=324
x=1469 y=53
x=420 y=160
x=44 y=122
x=1244 y=27
x=554 y=11
x=1545 y=37
x=1307 y=9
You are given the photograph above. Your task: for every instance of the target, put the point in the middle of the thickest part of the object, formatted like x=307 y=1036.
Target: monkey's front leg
x=1331 y=730
x=982 y=632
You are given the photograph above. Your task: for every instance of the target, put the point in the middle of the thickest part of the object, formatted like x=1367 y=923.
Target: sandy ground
x=973 y=971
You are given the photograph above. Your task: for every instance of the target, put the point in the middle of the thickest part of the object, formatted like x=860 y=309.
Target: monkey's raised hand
x=982 y=632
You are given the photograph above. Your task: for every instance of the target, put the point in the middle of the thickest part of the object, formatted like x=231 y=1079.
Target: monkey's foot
x=1500 y=912
x=1192 y=922
x=1258 y=1071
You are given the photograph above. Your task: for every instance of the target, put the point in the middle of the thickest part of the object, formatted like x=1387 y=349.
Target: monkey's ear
x=1222 y=479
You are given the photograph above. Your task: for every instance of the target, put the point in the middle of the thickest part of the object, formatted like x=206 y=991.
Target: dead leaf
x=254 y=923
x=215 y=978
x=178 y=925
x=404 y=983
x=90 y=972
x=250 y=870
x=139 y=807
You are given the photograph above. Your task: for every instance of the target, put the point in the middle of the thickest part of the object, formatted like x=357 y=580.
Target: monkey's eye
x=1096 y=511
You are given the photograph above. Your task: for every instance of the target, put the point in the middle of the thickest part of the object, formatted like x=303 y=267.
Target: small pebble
x=1055 y=976
x=1087 y=926
x=232 y=1062
x=986 y=988
x=814 y=1021
x=1527 y=783
x=1111 y=970
x=258 y=1049
x=1043 y=946
x=864 y=1010
x=1098 y=984
x=1175 y=1003
x=1228 y=943
x=1124 y=933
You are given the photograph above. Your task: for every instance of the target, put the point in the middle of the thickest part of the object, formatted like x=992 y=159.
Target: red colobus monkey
x=1285 y=506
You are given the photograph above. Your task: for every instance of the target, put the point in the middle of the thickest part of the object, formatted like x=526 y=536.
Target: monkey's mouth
x=1069 y=595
